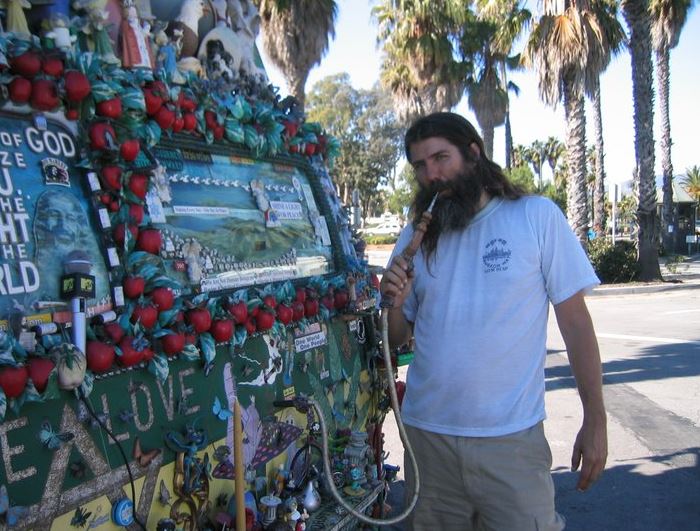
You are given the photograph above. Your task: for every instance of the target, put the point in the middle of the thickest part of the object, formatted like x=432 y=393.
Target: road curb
x=603 y=291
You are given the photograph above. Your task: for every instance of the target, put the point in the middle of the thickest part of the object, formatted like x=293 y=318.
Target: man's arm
x=591 y=443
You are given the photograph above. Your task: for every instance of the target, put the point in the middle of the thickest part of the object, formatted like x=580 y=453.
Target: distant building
x=685 y=216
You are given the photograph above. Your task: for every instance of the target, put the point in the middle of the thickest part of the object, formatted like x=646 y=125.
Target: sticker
x=93 y=181
x=289 y=393
x=104 y=218
x=310 y=341
x=55 y=172
x=287 y=209
x=321 y=230
x=113 y=257
x=309 y=196
x=27 y=340
x=119 y=296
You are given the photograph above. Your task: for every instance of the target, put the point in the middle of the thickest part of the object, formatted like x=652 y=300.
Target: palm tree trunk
x=576 y=194
x=663 y=81
x=297 y=84
x=487 y=132
x=599 y=188
x=636 y=14
x=509 y=141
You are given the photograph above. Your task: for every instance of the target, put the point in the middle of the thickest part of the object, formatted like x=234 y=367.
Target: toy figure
x=95 y=24
x=167 y=55
x=188 y=22
x=60 y=33
x=15 y=20
x=135 y=46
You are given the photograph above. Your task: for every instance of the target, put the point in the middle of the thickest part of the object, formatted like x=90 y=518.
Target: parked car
x=392 y=228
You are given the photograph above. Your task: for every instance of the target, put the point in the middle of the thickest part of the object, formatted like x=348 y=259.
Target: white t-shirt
x=480 y=317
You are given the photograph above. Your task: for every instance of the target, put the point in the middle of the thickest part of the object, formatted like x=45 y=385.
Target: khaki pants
x=482 y=483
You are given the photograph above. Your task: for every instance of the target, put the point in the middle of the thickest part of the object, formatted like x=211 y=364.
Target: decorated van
x=178 y=282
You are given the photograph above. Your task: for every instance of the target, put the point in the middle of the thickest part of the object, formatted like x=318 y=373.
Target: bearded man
x=476 y=301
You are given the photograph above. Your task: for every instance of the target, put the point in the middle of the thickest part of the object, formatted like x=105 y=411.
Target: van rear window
x=230 y=221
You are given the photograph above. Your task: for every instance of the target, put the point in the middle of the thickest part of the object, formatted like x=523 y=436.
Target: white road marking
x=650 y=339
x=681 y=311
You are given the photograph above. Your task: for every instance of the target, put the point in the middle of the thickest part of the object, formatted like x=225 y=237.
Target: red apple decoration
x=13 y=380
x=221 y=330
x=149 y=241
x=100 y=356
x=20 y=90
x=200 y=319
x=77 y=86
x=39 y=371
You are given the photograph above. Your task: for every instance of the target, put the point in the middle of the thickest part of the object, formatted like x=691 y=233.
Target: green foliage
x=379 y=239
x=556 y=194
x=523 y=177
x=613 y=263
x=370 y=137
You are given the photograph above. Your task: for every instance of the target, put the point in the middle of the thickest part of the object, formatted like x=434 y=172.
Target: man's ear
x=474 y=148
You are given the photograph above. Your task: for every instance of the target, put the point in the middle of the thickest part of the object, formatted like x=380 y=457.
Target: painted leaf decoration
x=191 y=352
x=206 y=342
x=87 y=385
x=240 y=335
x=3 y=405
x=132 y=98
x=101 y=91
x=159 y=367
x=234 y=131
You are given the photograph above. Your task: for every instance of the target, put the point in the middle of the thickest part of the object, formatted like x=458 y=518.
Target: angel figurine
x=15 y=20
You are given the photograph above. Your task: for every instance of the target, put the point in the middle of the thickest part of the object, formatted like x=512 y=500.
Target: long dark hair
x=459 y=132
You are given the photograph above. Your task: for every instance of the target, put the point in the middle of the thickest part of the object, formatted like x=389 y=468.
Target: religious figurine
x=188 y=22
x=133 y=37
x=95 y=25
x=15 y=20
x=60 y=33
x=167 y=55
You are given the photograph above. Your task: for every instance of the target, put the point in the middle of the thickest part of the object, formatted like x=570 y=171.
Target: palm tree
x=508 y=20
x=296 y=36
x=554 y=149
x=668 y=18
x=606 y=13
x=520 y=155
x=537 y=156
x=637 y=15
x=567 y=49
x=419 y=66
x=691 y=182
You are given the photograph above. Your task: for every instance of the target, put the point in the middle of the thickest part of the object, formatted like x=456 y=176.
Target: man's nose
x=432 y=172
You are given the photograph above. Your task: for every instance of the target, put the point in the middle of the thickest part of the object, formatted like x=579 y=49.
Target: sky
x=354 y=51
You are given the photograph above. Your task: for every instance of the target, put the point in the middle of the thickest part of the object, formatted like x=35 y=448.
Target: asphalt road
x=650 y=348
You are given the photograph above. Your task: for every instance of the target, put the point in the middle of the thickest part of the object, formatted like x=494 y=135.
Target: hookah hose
x=387 y=302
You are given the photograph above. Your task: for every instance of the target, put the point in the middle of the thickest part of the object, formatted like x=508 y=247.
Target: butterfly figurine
x=77 y=469
x=12 y=515
x=84 y=416
x=144 y=458
x=221 y=412
x=163 y=494
x=80 y=517
x=51 y=439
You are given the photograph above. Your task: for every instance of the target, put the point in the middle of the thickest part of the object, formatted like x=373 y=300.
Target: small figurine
x=95 y=25
x=188 y=22
x=60 y=33
x=15 y=20
x=133 y=37
x=167 y=55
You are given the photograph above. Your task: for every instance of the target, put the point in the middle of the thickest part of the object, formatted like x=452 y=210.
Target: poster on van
x=229 y=222
x=44 y=215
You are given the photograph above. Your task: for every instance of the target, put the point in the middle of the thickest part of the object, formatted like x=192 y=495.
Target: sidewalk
x=685 y=275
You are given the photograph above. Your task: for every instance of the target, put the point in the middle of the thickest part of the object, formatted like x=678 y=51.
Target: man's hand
x=592 y=446
x=396 y=281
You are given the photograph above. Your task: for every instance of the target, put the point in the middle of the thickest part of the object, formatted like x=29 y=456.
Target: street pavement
x=649 y=337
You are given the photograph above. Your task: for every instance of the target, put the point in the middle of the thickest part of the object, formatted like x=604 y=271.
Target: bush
x=379 y=239
x=613 y=263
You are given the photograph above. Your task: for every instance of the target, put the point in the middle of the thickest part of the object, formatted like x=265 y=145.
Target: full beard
x=457 y=204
